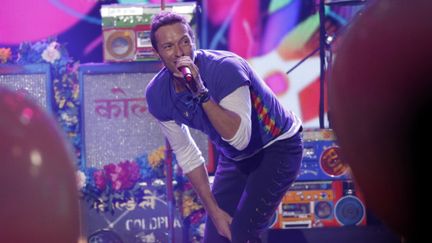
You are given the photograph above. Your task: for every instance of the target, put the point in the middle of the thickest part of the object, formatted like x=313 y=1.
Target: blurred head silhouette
x=380 y=104
x=38 y=192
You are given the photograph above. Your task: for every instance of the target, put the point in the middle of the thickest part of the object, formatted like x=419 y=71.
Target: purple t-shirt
x=222 y=72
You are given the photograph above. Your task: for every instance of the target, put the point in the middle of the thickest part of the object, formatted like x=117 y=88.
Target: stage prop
x=146 y=221
x=316 y=204
x=116 y=124
x=38 y=193
x=324 y=194
x=126 y=29
x=123 y=153
x=32 y=80
x=322 y=158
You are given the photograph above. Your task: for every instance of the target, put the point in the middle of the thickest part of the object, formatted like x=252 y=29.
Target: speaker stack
x=117 y=126
x=324 y=194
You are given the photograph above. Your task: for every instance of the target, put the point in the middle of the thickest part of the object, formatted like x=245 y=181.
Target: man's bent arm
x=200 y=182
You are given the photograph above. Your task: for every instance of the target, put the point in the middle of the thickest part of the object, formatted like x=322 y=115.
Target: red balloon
x=38 y=192
x=380 y=107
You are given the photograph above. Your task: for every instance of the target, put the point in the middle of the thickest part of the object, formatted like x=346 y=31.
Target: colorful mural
x=274 y=35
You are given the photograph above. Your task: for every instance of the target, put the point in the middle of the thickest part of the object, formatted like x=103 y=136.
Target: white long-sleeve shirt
x=187 y=153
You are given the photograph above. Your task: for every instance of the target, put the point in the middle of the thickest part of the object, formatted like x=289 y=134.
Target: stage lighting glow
x=31 y=20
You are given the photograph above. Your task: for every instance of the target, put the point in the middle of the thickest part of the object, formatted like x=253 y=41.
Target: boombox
x=126 y=29
x=320 y=204
x=322 y=157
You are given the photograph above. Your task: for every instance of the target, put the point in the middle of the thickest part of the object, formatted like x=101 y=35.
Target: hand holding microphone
x=187 y=76
x=193 y=84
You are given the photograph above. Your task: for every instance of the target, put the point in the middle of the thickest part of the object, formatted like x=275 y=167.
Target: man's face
x=173 y=41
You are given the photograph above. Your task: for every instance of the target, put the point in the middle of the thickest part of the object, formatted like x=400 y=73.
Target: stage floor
x=355 y=234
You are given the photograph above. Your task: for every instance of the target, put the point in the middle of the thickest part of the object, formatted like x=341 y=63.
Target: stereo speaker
x=116 y=125
x=317 y=204
x=33 y=80
x=119 y=44
x=126 y=29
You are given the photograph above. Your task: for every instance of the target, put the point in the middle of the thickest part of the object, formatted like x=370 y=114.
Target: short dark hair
x=167 y=18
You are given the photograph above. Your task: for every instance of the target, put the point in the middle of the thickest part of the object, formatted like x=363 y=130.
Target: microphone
x=187 y=75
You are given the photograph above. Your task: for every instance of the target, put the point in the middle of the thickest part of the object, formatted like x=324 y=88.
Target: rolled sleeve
x=184 y=147
x=239 y=102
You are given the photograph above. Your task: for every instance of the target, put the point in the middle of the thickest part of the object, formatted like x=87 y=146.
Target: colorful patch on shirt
x=263 y=115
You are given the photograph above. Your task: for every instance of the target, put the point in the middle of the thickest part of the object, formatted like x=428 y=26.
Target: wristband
x=203 y=97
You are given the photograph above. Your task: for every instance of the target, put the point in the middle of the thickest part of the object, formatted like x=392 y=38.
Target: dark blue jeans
x=251 y=190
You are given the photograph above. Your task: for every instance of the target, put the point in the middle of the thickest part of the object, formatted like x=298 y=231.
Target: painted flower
x=147 y=237
x=81 y=179
x=157 y=157
x=122 y=176
x=99 y=180
x=5 y=55
x=201 y=229
x=51 y=53
x=189 y=205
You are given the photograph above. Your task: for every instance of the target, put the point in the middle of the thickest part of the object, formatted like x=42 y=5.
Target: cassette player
x=320 y=204
x=126 y=29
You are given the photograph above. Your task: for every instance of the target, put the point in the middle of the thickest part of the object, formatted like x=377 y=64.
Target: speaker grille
x=116 y=123
x=349 y=210
x=33 y=80
x=119 y=45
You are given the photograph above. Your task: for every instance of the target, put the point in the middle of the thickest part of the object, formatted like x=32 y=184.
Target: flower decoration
x=121 y=176
x=5 y=55
x=115 y=184
x=64 y=79
x=81 y=179
x=196 y=225
x=153 y=164
x=193 y=212
x=190 y=202
x=122 y=183
x=51 y=52
x=122 y=186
